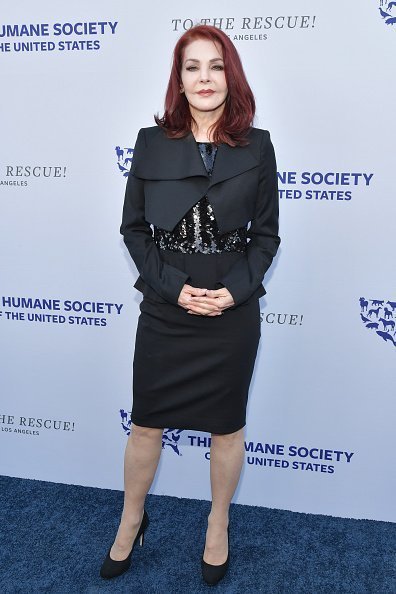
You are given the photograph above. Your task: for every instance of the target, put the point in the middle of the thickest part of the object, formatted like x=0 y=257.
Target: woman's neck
x=204 y=121
x=201 y=135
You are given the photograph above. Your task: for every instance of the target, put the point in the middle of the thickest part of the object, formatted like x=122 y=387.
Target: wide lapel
x=231 y=161
x=176 y=177
x=171 y=159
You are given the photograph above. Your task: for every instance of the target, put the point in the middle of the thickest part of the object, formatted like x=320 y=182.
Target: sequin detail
x=197 y=231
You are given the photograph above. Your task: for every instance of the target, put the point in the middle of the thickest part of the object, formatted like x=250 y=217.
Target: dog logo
x=379 y=316
x=170 y=437
x=124 y=159
x=387 y=11
x=126 y=421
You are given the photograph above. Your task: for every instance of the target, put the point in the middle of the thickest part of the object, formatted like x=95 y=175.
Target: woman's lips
x=205 y=93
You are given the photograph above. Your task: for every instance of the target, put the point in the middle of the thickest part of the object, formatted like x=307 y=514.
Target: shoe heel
x=212 y=574
x=111 y=568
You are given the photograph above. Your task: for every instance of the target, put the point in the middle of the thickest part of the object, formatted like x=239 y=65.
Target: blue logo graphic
x=380 y=317
x=170 y=437
x=126 y=421
x=387 y=11
x=124 y=159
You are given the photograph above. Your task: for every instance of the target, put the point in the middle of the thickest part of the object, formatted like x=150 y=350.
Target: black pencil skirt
x=190 y=371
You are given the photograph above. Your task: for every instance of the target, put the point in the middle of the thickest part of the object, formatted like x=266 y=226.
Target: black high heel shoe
x=111 y=568
x=212 y=574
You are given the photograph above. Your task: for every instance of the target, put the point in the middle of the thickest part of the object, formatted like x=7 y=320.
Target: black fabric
x=194 y=371
x=168 y=177
x=198 y=231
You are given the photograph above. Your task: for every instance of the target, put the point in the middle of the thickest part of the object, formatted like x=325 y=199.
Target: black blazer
x=168 y=176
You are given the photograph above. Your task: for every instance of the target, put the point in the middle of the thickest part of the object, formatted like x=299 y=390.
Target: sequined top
x=197 y=231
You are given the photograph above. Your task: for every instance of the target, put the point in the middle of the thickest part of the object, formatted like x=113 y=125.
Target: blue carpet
x=54 y=538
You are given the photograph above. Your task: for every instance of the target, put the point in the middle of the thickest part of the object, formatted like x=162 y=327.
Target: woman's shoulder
x=259 y=133
x=151 y=131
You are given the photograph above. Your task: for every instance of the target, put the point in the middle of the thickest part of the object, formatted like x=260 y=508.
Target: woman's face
x=203 y=69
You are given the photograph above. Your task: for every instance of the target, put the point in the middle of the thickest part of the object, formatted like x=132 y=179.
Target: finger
x=204 y=307
x=195 y=294
x=204 y=299
x=199 y=312
x=214 y=295
x=203 y=302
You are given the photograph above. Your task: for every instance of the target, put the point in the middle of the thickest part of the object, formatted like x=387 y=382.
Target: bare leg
x=226 y=459
x=142 y=454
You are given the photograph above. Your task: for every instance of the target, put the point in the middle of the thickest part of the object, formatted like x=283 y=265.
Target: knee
x=145 y=433
x=228 y=439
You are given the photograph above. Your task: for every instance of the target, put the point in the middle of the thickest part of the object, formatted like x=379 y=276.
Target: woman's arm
x=246 y=275
x=165 y=279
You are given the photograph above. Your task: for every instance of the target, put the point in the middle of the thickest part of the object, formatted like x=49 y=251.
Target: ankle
x=132 y=517
x=218 y=519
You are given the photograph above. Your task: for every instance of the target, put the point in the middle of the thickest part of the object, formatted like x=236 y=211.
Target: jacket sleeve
x=165 y=279
x=246 y=275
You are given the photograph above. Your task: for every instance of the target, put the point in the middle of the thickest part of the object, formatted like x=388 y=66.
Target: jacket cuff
x=240 y=293
x=173 y=283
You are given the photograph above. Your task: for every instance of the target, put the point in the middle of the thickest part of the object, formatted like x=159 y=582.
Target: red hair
x=239 y=108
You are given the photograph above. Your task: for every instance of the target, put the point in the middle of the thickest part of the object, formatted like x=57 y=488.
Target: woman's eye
x=216 y=66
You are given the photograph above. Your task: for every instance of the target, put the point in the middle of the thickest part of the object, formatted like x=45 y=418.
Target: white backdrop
x=320 y=435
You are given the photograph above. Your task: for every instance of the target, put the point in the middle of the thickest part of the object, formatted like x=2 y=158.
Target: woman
x=199 y=177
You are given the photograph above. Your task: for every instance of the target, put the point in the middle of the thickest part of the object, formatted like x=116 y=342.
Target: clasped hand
x=205 y=302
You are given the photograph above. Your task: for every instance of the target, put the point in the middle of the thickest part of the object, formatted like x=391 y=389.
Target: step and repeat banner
x=78 y=81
